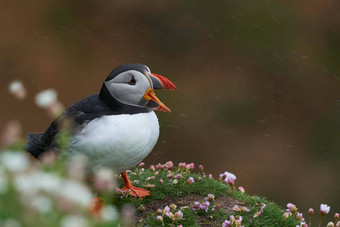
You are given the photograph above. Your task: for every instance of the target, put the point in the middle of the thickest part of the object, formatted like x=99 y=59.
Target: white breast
x=119 y=142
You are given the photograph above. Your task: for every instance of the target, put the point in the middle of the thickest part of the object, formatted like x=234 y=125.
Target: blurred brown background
x=258 y=81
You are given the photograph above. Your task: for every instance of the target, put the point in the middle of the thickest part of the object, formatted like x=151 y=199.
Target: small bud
x=159 y=211
x=172 y=206
x=241 y=189
x=210 y=197
x=141 y=165
x=159 y=218
x=287 y=215
x=291 y=207
x=299 y=216
x=232 y=219
x=310 y=211
x=330 y=224
x=190 y=180
x=178 y=215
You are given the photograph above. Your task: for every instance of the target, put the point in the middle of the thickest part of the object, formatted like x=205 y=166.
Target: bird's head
x=134 y=85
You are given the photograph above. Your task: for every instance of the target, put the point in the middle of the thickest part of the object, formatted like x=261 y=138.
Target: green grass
x=271 y=216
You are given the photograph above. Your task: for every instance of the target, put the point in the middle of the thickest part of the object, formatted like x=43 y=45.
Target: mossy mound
x=173 y=186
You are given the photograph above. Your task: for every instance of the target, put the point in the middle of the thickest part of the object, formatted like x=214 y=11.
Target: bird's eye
x=132 y=81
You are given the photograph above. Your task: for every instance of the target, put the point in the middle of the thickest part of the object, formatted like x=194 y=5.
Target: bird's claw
x=136 y=192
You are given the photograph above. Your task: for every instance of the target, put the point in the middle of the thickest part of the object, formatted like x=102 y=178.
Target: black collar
x=118 y=107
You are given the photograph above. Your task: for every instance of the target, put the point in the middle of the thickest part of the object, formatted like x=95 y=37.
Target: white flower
x=109 y=213
x=104 y=180
x=14 y=161
x=42 y=204
x=324 y=209
x=15 y=86
x=17 y=89
x=30 y=184
x=76 y=192
x=230 y=176
x=74 y=221
x=46 y=97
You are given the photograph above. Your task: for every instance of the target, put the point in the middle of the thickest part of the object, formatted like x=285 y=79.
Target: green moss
x=178 y=189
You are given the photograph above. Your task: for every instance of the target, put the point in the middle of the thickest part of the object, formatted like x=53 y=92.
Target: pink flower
x=241 y=189
x=232 y=219
x=210 y=198
x=226 y=223
x=190 y=166
x=200 y=167
x=310 y=211
x=141 y=165
x=166 y=209
x=287 y=215
x=190 y=180
x=299 y=216
x=159 y=218
x=227 y=177
x=152 y=167
x=169 y=165
x=182 y=165
x=172 y=206
x=291 y=207
x=336 y=217
x=204 y=206
x=210 y=176
x=178 y=215
x=161 y=181
x=178 y=176
x=159 y=166
x=324 y=209
x=170 y=215
x=196 y=206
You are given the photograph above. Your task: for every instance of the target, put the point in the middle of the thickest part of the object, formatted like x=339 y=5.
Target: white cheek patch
x=123 y=92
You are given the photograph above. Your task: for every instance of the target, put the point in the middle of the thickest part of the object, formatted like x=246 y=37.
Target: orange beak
x=150 y=94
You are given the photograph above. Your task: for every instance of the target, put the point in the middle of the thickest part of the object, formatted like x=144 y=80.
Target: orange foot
x=96 y=206
x=136 y=192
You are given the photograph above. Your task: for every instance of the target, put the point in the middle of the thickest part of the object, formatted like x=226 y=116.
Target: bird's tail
x=35 y=146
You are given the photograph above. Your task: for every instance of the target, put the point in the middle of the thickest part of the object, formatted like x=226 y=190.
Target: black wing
x=79 y=114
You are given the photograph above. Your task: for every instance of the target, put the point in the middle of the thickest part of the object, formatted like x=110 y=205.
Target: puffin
x=116 y=128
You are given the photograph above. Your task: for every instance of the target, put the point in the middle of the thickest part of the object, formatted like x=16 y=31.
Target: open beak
x=158 y=82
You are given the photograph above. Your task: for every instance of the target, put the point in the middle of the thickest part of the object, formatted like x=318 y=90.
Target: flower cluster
x=258 y=213
x=229 y=178
x=292 y=210
x=240 y=208
x=44 y=192
x=233 y=221
x=170 y=212
x=186 y=167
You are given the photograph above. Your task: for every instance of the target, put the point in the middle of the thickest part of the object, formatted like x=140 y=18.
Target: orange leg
x=134 y=191
x=97 y=205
